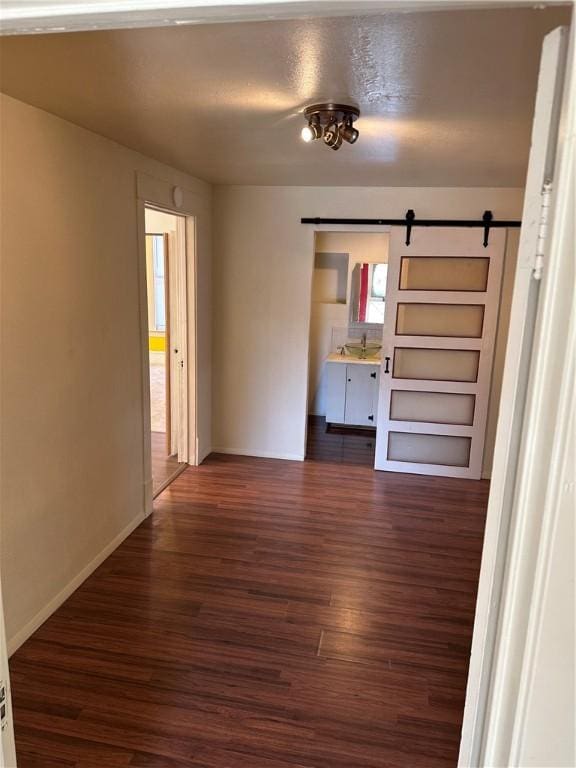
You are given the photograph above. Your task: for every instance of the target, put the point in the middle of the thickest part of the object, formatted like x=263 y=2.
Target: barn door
x=440 y=321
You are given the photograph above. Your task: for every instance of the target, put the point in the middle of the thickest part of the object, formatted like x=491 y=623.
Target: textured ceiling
x=446 y=97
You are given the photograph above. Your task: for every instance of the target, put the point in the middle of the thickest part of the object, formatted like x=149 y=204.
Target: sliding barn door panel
x=448 y=450
x=433 y=407
x=436 y=364
x=443 y=274
x=438 y=344
x=460 y=320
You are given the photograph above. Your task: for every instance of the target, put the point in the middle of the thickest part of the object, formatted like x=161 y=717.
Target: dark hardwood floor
x=270 y=614
x=341 y=445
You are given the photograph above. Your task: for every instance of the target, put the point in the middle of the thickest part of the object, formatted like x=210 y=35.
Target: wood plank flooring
x=341 y=445
x=270 y=614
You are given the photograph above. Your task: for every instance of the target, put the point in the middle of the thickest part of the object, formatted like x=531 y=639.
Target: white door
x=438 y=343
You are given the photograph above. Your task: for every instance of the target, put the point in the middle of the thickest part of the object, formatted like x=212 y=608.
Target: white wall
x=262 y=290
x=72 y=467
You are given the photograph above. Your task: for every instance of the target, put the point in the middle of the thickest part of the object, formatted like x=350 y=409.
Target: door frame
x=7 y=743
x=83 y=16
x=312 y=232
x=524 y=501
x=168 y=381
x=167 y=343
x=143 y=202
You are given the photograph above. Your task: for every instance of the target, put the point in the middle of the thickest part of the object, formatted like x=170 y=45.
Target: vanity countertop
x=336 y=357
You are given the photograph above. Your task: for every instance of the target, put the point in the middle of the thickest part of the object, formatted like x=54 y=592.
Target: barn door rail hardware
x=486 y=223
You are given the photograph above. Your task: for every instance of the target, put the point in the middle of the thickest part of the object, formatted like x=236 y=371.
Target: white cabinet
x=361 y=394
x=352 y=393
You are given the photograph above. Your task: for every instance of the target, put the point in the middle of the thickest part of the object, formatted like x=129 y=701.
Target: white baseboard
x=260 y=454
x=22 y=635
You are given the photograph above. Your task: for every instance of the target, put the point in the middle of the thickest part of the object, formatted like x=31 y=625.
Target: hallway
x=270 y=614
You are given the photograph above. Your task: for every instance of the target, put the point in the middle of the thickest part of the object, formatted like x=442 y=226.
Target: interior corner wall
x=71 y=439
x=263 y=264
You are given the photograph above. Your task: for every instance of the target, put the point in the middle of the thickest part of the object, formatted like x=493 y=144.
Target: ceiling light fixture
x=332 y=123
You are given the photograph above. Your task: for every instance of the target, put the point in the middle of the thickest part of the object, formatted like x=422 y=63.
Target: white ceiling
x=446 y=97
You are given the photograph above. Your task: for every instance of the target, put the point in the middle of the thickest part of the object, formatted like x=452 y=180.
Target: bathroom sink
x=363 y=351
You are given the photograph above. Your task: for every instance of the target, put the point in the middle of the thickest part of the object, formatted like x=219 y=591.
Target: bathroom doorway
x=346 y=325
x=167 y=344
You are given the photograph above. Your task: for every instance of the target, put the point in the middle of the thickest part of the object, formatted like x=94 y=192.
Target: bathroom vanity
x=352 y=390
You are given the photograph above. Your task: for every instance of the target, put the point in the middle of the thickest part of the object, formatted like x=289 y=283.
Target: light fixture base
x=332 y=122
x=330 y=111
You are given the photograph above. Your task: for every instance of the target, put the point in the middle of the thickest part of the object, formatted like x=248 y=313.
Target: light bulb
x=307 y=134
x=312 y=131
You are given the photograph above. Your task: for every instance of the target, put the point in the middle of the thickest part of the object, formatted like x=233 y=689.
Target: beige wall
x=72 y=474
x=262 y=290
x=363 y=247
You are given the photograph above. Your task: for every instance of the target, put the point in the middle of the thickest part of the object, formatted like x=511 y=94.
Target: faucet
x=363 y=342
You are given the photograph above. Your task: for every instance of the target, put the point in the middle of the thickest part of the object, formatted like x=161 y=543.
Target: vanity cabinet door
x=361 y=394
x=335 y=392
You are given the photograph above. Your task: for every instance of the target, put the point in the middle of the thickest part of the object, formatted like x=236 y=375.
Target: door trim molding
x=64 y=16
x=158 y=194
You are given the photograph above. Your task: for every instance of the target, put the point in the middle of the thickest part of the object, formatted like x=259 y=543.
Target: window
x=155 y=257
x=368 y=293
x=375 y=304
x=159 y=288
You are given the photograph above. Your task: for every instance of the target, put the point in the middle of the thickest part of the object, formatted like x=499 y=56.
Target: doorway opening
x=166 y=289
x=346 y=322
